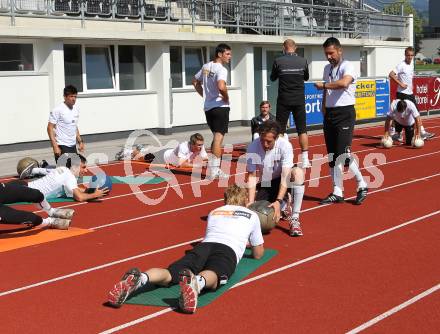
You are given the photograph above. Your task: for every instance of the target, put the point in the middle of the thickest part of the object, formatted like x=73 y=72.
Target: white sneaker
x=295 y=228
x=63 y=213
x=306 y=164
x=58 y=223
x=219 y=174
x=189 y=291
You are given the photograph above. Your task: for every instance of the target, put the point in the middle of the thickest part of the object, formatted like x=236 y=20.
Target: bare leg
x=304 y=141
x=211 y=279
x=216 y=145
x=159 y=276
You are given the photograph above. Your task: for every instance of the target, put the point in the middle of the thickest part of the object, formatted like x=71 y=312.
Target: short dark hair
x=72 y=159
x=222 y=47
x=401 y=106
x=196 y=137
x=262 y=103
x=409 y=48
x=332 y=41
x=70 y=90
x=269 y=126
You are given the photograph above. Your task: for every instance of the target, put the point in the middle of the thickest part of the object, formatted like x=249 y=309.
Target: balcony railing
x=237 y=17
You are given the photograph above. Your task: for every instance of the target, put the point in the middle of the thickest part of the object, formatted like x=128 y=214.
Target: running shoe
x=129 y=283
x=361 y=195
x=58 y=223
x=63 y=213
x=295 y=228
x=332 y=198
x=427 y=135
x=189 y=291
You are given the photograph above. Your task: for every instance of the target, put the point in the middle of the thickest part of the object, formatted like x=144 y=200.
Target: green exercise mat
x=130 y=179
x=153 y=296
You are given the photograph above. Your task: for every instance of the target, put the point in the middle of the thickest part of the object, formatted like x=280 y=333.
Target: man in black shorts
x=17 y=191
x=339 y=119
x=210 y=83
x=292 y=70
x=209 y=264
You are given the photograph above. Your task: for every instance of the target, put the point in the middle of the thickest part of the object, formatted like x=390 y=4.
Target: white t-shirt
x=405 y=74
x=270 y=163
x=183 y=152
x=209 y=74
x=234 y=226
x=344 y=96
x=405 y=118
x=58 y=183
x=66 y=123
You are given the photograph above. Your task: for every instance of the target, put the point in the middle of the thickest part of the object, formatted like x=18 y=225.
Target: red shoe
x=130 y=282
x=189 y=291
x=295 y=228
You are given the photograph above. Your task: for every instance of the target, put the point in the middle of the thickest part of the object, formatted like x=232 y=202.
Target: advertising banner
x=382 y=97
x=365 y=99
x=426 y=91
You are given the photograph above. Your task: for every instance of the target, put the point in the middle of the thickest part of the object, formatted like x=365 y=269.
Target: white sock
x=144 y=279
x=422 y=129
x=338 y=180
x=392 y=130
x=46 y=207
x=298 y=194
x=201 y=282
x=46 y=222
x=354 y=168
x=40 y=171
x=305 y=155
x=214 y=164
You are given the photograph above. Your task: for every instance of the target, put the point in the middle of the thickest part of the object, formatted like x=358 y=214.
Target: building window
x=176 y=66
x=16 y=57
x=185 y=62
x=131 y=67
x=99 y=68
x=105 y=67
x=73 y=66
x=364 y=63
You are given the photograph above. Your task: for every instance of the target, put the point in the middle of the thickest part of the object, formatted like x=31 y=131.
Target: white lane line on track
x=275 y=271
x=154 y=252
x=218 y=200
x=241 y=145
x=5 y=293
x=393 y=310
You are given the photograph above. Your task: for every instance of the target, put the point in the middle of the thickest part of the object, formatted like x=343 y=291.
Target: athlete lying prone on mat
x=210 y=263
x=187 y=154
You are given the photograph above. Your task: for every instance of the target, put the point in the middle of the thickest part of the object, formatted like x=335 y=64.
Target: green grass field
x=428 y=67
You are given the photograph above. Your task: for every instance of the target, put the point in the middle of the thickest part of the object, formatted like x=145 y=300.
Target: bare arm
x=221 y=84
x=343 y=83
x=285 y=175
x=387 y=126
x=418 y=126
x=81 y=196
x=257 y=251
x=393 y=76
x=198 y=86
x=79 y=141
x=252 y=183
x=53 y=142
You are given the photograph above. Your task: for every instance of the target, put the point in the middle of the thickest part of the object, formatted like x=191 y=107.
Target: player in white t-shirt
x=187 y=154
x=339 y=85
x=405 y=116
x=210 y=263
x=63 y=182
x=210 y=83
x=403 y=75
x=270 y=168
x=62 y=127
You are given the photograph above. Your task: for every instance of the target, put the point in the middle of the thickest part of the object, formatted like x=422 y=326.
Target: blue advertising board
x=382 y=97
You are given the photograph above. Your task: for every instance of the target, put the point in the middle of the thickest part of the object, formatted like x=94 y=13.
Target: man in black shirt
x=292 y=71
x=264 y=116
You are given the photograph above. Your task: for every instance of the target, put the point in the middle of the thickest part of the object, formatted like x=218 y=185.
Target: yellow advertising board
x=365 y=99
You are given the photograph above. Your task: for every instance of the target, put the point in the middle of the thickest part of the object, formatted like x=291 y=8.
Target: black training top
x=257 y=121
x=292 y=71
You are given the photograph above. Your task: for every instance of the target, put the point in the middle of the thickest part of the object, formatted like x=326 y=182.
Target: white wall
x=188 y=107
x=117 y=113
x=384 y=59
x=24 y=107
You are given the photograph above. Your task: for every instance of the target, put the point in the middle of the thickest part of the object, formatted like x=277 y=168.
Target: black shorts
x=338 y=131
x=213 y=256
x=268 y=191
x=403 y=96
x=218 y=119
x=409 y=131
x=299 y=116
x=65 y=149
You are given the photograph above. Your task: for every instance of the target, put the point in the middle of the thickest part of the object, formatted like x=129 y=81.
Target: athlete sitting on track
x=264 y=116
x=272 y=157
x=210 y=263
x=17 y=192
x=405 y=115
x=186 y=155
